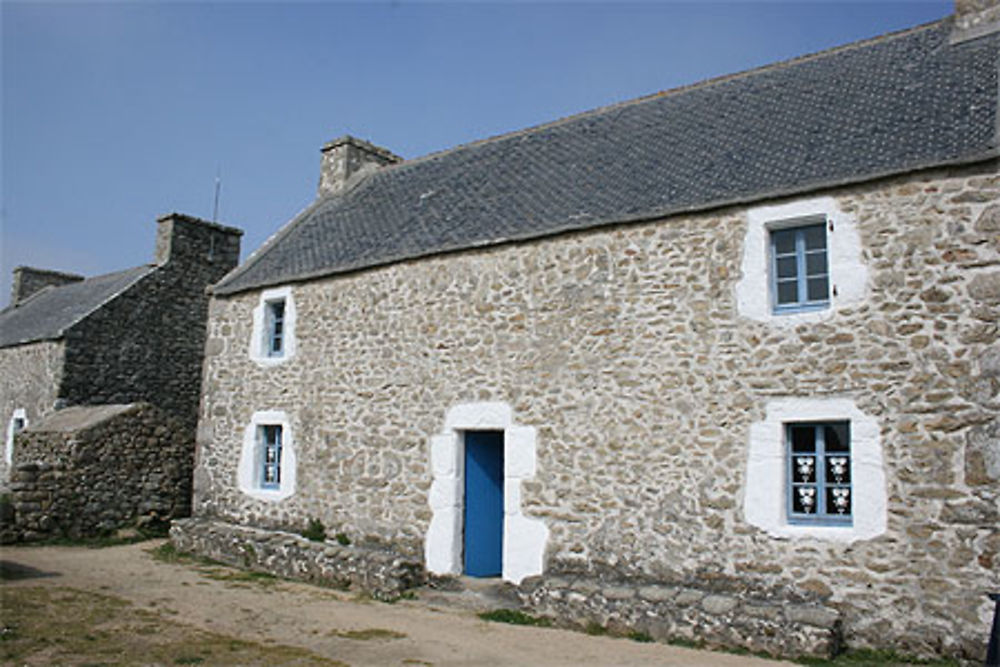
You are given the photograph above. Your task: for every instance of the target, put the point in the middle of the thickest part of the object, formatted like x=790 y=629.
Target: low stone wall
x=716 y=615
x=382 y=573
x=88 y=471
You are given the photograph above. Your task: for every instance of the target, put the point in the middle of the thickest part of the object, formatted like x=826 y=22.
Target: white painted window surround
x=764 y=503
x=524 y=538
x=250 y=466
x=848 y=275
x=259 y=337
x=18 y=416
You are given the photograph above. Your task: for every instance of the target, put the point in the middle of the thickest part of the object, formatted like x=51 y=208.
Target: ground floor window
x=267 y=463
x=18 y=422
x=270 y=444
x=819 y=473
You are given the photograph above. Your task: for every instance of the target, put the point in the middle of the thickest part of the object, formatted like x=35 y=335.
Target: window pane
x=784 y=241
x=815 y=236
x=788 y=292
x=838 y=470
x=819 y=289
x=835 y=437
x=804 y=469
x=838 y=501
x=815 y=263
x=804 y=500
x=786 y=267
x=803 y=438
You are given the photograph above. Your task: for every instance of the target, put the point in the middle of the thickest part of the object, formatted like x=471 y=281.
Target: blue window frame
x=800 y=277
x=819 y=473
x=276 y=328
x=270 y=441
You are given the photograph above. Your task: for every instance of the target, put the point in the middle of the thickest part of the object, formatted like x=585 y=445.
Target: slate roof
x=893 y=104
x=47 y=314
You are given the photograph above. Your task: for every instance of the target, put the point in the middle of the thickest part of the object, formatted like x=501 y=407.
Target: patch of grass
x=514 y=617
x=168 y=553
x=238 y=576
x=368 y=634
x=685 y=642
x=342 y=539
x=595 y=629
x=315 y=531
x=68 y=626
x=641 y=637
x=875 y=658
x=412 y=661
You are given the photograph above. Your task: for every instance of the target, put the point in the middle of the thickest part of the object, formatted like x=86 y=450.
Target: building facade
x=719 y=364
x=132 y=336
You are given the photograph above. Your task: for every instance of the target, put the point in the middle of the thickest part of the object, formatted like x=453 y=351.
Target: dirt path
x=329 y=623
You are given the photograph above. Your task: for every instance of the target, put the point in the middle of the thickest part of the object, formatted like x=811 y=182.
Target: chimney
x=348 y=157
x=975 y=18
x=186 y=240
x=28 y=280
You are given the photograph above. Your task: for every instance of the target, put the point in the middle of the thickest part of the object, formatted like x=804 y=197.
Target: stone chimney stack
x=975 y=18
x=186 y=240
x=346 y=159
x=28 y=280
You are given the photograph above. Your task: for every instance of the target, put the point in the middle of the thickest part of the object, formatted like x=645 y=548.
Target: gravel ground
x=333 y=624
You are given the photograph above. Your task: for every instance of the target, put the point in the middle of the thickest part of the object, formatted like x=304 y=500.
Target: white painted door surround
x=524 y=538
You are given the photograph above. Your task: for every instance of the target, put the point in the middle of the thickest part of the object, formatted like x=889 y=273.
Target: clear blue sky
x=115 y=113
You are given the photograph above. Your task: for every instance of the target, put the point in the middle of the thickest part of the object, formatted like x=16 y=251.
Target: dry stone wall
x=29 y=381
x=624 y=349
x=87 y=471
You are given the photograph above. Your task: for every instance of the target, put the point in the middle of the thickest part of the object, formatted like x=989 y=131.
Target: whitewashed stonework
x=631 y=357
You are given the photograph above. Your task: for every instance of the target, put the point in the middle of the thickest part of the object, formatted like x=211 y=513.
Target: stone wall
x=382 y=573
x=87 y=471
x=29 y=380
x=624 y=349
x=148 y=343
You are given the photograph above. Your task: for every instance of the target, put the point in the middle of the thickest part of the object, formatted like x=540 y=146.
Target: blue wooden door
x=483 y=503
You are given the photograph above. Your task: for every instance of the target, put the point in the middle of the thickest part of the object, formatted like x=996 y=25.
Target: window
x=272 y=341
x=267 y=465
x=800 y=278
x=802 y=262
x=819 y=473
x=18 y=422
x=275 y=328
x=270 y=444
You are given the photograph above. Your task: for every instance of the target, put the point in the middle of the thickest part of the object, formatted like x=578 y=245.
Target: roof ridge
x=669 y=92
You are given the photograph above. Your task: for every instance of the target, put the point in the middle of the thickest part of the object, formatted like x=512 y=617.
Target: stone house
x=129 y=337
x=722 y=363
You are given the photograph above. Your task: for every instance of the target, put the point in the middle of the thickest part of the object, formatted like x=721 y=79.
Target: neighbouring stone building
x=134 y=336
x=722 y=363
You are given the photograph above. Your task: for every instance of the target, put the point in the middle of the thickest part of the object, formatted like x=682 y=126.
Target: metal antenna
x=218 y=188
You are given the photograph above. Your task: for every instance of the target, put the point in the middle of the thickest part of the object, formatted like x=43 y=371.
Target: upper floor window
x=800 y=275
x=819 y=473
x=273 y=338
x=275 y=328
x=270 y=445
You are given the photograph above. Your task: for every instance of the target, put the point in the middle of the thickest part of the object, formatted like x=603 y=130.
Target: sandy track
x=307 y=616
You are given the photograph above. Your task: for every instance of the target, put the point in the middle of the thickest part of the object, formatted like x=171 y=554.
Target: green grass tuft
x=514 y=617
x=315 y=531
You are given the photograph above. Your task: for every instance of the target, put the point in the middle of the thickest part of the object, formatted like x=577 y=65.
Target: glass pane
x=788 y=292
x=838 y=501
x=278 y=310
x=784 y=241
x=786 y=267
x=815 y=263
x=271 y=455
x=835 y=437
x=819 y=289
x=804 y=469
x=838 y=470
x=804 y=499
x=803 y=438
x=815 y=236
x=278 y=328
x=269 y=476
